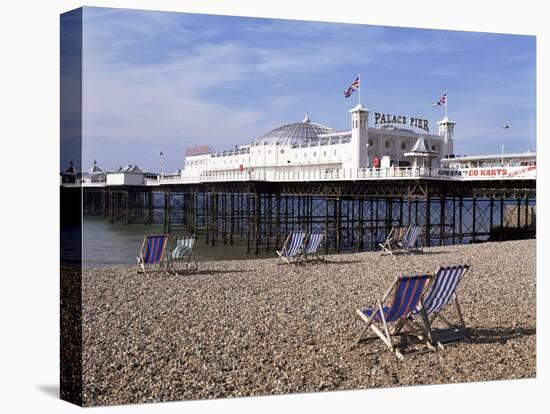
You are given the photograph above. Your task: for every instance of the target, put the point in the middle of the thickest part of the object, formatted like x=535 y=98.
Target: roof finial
x=306 y=118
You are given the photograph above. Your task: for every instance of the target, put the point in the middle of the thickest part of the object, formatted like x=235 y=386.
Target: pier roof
x=420 y=148
x=130 y=168
x=294 y=133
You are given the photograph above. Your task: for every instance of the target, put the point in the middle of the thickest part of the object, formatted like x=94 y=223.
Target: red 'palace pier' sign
x=203 y=149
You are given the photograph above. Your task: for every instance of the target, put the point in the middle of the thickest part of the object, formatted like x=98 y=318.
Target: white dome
x=295 y=133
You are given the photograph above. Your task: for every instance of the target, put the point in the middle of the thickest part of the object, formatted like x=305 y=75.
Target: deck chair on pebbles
x=406 y=293
x=152 y=254
x=311 y=250
x=410 y=239
x=442 y=293
x=292 y=248
x=394 y=239
x=182 y=254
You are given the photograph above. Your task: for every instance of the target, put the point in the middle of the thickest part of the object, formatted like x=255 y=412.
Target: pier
x=355 y=210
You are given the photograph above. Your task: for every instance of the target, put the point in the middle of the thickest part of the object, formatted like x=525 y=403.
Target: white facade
x=125 y=178
x=128 y=175
x=309 y=146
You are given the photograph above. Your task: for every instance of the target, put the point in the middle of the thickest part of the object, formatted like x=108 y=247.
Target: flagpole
x=446 y=102
x=359 y=76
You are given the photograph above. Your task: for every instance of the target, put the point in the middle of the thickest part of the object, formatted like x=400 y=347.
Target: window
x=371 y=142
x=314 y=154
x=282 y=151
x=387 y=144
x=403 y=146
x=324 y=153
x=434 y=148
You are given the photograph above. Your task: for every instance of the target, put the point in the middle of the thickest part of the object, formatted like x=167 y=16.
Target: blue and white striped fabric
x=183 y=246
x=408 y=291
x=444 y=288
x=313 y=243
x=410 y=238
x=296 y=241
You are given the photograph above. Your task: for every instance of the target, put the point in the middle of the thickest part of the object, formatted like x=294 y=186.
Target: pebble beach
x=252 y=327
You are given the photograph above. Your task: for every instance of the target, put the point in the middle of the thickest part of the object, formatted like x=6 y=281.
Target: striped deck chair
x=443 y=292
x=395 y=238
x=292 y=248
x=407 y=295
x=182 y=252
x=311 y=249
x=408 y=244
x=152 y=252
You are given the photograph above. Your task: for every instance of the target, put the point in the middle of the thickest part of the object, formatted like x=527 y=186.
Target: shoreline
x=249 y=327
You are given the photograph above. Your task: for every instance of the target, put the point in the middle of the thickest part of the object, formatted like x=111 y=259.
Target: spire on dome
x=306 y=118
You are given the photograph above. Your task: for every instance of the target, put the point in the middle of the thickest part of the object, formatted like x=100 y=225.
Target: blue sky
x=159 y=81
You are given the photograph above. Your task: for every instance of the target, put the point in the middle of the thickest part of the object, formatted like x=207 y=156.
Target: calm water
x=105 y=244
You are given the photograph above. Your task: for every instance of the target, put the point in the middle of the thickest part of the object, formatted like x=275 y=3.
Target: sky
x=162 y=82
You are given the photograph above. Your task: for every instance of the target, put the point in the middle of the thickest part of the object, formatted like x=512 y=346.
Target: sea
x=107 y=244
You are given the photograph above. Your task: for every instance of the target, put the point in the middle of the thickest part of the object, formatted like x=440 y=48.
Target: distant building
x=127 y=175
x=94 y=174
x=521 y=159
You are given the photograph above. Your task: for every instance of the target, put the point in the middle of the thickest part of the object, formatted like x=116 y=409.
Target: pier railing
x=395 y=173
x=308 y=175
x=342 y=174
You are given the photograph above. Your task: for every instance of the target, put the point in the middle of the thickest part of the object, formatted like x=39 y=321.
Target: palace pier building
x=310 y=146
x=387 y=170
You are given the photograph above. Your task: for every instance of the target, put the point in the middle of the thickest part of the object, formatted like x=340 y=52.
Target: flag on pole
x=442 y=100
x=353 y=87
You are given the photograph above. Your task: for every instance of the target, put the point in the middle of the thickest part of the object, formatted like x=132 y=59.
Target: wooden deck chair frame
x=383 y=331
x=283 y=253
x=142 y=266
x=308 y=257
x=190 y=261
x=395 y=236
x=429 y=318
